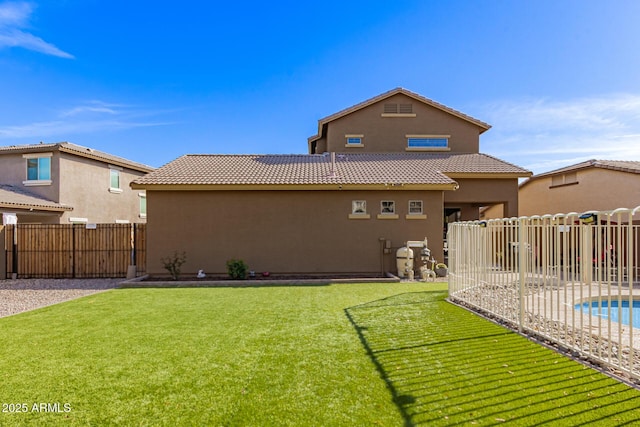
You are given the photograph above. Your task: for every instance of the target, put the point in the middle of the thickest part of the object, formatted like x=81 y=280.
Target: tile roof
x=15 y=198
x=78 y=150
x=315 y=169
x=484 y=126
x=628 y=166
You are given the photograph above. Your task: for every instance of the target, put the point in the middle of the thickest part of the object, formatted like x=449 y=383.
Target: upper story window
x=38 y=169
x=354 y=140
x=398 y=110
x=114 y=179
x=427 y=142
x=143 y=205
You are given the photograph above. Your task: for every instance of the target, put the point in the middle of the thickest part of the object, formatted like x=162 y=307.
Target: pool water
x=612 y=309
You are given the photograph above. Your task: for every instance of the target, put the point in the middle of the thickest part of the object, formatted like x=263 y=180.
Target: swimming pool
x=611 y=309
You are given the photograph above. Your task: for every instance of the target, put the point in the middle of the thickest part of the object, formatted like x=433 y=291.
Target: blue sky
x=559 y=81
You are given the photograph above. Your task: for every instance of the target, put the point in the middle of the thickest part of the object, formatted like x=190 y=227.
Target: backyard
x=358 y=354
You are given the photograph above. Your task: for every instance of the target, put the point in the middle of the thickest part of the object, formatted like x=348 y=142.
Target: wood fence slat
x=73 y=250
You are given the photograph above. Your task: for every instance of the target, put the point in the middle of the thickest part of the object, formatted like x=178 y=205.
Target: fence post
x=521 y=272
x=3 y=254
x=131 y=269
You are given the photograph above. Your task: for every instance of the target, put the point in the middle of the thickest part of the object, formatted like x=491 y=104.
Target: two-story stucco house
x=62 y=183
x=391 y=169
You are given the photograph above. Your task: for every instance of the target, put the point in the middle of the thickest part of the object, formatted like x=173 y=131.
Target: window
x=427 y=142
x=415 y=207
x=415 y=210
x=354 y=141
x=387 y=210
x=359 y=207
x=387 y=207
x=114 y=179
x=38 y=169
x=359 y=210
x=143 y=205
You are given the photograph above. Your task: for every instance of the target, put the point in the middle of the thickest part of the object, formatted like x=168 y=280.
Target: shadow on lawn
x=445 y=366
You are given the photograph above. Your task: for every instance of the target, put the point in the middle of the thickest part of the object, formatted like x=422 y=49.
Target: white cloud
x=542 y=135
x=14 y=17
x=88 y=117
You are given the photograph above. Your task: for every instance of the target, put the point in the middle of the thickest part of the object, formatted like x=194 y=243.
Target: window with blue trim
x=354 y=140
x=427 y=142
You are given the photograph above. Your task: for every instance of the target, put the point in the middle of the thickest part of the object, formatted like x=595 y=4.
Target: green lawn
x=339 y=355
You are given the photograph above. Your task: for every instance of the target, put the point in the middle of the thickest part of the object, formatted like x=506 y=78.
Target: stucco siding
x=305 y=232
x=389 y=134
x=596 y=189
x=85 y=186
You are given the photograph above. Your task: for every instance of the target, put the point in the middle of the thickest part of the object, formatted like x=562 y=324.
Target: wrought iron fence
x=571 y=279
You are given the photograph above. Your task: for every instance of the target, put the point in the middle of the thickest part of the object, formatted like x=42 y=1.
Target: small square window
x=387 y=207
x=415 y=207
x=359 y=207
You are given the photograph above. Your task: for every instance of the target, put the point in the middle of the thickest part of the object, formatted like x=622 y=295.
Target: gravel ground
x=21 y=295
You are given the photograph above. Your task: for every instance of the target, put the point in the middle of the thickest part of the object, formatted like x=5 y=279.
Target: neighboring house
x=602 y=185
x=391 y=169
x=65 y=183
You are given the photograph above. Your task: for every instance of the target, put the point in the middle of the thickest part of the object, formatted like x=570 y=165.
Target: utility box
x=404 y=261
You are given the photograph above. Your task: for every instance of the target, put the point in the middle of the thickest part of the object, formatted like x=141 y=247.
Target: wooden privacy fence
x=74 y=250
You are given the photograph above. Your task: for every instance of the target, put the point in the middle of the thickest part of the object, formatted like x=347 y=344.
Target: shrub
x=173 y=263
x=237 y=269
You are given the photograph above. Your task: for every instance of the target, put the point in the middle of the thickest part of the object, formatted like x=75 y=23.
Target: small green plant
x=237 y=269
x=173 y=264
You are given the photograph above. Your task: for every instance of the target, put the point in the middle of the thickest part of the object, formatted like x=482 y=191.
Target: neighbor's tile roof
x=619 y=165
x=628 y=166
x=78 y=150
x=294 y=169
x=15 y=198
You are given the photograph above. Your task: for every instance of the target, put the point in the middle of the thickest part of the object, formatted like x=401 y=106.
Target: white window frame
x=389 y=204
x=357 y=205
x=34 y=182
x=350 y=140
x=141 y=197
x=427 y=148
x=420 y=202
x=117 y=171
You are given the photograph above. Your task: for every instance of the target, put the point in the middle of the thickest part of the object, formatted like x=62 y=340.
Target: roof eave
x=488 y=175
x=27 y=206
x=307 y=187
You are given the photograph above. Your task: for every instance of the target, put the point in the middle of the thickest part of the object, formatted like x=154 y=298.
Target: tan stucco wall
x=597 y=189
x=285 y=231
x=389 y=134
x=483 y=192
x=75 y=181
x=84 y=184
x=13 y=171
